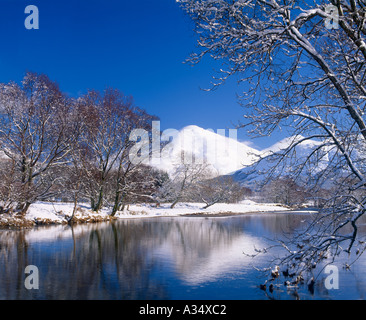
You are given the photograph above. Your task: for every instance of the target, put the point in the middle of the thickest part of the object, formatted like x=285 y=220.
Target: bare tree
x=286 y=191
x=219 y=189
x=103 y=137
x=35 y=135
x=141 y=184
x=76 y=175
x=8 y=184
x=126 y=183
x=307 y=75
x=186 y=175
x=109 y=118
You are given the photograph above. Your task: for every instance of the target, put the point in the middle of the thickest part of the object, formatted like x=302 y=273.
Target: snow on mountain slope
x=220 y=150
x=255 y=173
x=284 y=143
x=228 y=156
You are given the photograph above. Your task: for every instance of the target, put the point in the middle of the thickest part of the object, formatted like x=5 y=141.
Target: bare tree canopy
x=53 y=146
x=303 y=65
x=36 y=133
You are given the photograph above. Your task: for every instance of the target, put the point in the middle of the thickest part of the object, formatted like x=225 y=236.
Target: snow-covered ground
x=59 y=213
x=246 y=206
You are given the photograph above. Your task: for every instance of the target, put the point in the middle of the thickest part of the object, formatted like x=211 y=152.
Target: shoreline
x=58 y=213
x=229 y=214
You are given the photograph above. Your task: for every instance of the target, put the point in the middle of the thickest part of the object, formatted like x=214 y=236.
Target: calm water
x=158 y=258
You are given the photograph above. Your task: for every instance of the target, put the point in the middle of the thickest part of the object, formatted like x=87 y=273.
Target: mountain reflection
x=130 y=259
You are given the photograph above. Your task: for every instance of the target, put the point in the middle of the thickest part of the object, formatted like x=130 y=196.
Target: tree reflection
x=129 y=259
x=103 y=263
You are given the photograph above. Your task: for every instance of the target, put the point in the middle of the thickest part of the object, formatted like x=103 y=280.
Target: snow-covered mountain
x=228 y=156
x=221 y=150
x=303 y=147
x=254 y=173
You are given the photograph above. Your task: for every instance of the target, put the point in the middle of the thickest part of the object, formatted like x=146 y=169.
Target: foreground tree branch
x=310 y=80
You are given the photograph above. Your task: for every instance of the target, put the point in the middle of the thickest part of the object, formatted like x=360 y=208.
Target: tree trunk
x=75 y=206
x=116 y=204
x=210 y=204
x=24 y=208
x=100 y=200
x=174 y=203
x=92 y=203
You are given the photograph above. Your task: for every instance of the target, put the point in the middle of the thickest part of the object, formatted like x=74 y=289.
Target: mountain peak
x=193 y=127
x=224 y=154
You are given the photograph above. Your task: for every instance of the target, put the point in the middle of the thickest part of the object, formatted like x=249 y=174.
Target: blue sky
x=135 y=46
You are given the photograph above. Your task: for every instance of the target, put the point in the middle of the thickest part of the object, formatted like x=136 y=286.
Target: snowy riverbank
x=59 y=213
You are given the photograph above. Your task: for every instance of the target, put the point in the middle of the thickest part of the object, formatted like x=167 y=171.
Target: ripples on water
x=157 y=258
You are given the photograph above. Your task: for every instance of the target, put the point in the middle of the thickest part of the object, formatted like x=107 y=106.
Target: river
x=158 y=258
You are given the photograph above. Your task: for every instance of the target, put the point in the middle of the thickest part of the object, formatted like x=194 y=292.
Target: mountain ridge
x=225 y=154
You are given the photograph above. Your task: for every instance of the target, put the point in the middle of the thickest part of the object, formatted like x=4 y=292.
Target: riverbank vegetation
x=58 y=149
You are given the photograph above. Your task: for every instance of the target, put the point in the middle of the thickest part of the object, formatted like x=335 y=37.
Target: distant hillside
x=255 y=173
x=227 y=156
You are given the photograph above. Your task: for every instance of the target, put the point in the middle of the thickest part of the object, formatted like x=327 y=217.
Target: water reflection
x=159 y=258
